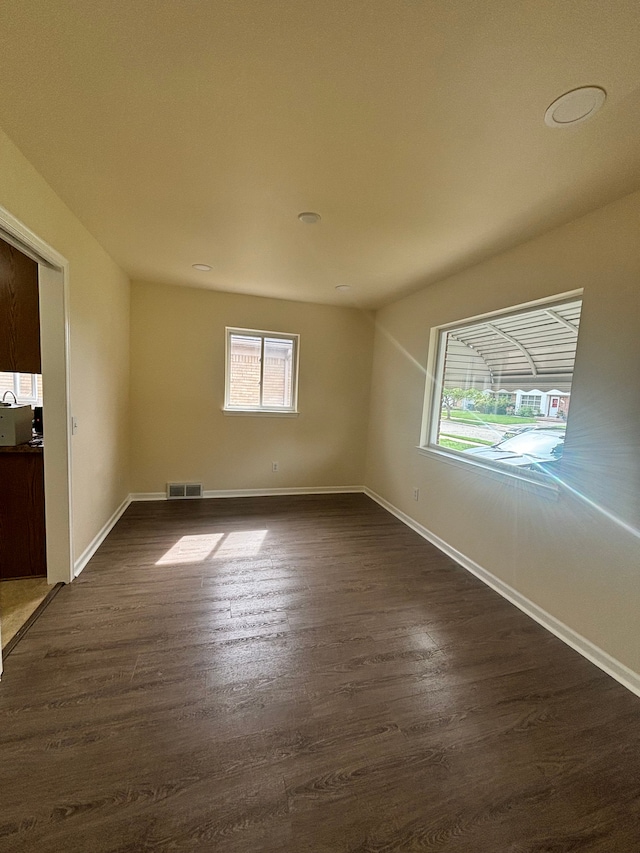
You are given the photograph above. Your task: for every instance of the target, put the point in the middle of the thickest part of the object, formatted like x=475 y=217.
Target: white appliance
x=15 y=424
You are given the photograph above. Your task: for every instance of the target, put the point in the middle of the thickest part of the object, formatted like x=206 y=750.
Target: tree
x=451 y=396
x=490 y=404
x=485 y=402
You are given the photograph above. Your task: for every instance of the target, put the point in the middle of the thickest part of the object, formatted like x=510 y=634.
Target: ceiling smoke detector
x=309 y=217
x=575 y=106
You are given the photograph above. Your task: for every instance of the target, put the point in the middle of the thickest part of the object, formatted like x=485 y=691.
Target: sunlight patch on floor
x=199 y=547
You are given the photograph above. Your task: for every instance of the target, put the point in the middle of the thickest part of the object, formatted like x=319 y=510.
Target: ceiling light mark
x=309 y=217
x=575 y=107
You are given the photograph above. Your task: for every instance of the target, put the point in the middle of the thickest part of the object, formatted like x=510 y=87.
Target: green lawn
x=477 y=417
x=469 y=441
x=453 y=445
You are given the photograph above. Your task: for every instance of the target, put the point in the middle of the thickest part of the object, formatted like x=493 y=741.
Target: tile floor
x=18 y=600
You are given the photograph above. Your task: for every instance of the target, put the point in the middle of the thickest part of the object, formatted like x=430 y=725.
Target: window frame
x=262 y=410
x=526 y=401
x=434 y=384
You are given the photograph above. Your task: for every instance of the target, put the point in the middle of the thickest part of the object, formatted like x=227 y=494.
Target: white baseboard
x=97 y=540
x=148 y=496
x=254 y=493
x=626 y=676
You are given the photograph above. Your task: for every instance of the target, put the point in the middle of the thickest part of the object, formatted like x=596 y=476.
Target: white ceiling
x=186 y=131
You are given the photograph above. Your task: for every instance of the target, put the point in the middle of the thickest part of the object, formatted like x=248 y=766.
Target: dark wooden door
x=19 y=312
x=22 y=525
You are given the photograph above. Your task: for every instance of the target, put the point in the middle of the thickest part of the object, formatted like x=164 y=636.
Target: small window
x=261 y=371
x=27 y=387
x=500 y=390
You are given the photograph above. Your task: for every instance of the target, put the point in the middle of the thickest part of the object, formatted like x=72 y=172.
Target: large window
x=261 y=371
x=531 y=401
x=27 y=387
x=499 y=390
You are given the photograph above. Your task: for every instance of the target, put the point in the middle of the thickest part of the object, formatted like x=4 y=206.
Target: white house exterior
x=552 y=404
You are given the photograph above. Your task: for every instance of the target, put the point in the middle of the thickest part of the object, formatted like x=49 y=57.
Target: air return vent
x=176 y=491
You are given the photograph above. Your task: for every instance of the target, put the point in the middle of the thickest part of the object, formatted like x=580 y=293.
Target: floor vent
x=175 y=491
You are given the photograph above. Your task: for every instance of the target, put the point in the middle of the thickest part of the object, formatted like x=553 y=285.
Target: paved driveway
x=465 y=429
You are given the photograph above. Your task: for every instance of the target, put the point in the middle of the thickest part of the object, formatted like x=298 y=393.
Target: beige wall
x=99 y=344
x=574 y=556
x=178 y=430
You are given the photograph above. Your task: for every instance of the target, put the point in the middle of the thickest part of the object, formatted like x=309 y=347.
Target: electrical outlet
x=274 y=467
x=416 y=494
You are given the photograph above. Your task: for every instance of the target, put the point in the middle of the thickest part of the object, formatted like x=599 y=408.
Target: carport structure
x=529 y=354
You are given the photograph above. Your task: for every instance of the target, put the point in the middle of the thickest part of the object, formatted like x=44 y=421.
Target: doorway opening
x=54 y=345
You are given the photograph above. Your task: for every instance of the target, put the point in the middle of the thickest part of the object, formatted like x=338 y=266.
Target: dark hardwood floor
x=304 y=674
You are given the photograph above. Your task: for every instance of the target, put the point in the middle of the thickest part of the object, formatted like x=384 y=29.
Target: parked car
x=516 y=429
x=532 y=449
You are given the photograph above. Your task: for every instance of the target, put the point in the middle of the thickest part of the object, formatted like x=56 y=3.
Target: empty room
x=320 y=426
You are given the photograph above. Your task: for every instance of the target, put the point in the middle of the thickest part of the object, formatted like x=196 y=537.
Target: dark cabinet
x=19 y=312
x=22 y=525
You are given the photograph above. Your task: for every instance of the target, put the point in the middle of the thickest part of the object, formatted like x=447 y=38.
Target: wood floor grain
x=304 y=674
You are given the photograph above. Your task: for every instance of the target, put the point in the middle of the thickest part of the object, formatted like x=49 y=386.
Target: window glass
x=502 y=385
x=27 y=387
x=531 y=401
x=278 y=360
x=244 y=371
x=534 y=443
x=6 y=384
x=261 y=371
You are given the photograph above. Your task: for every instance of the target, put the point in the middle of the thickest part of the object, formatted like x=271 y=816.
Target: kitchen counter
x=23 y=448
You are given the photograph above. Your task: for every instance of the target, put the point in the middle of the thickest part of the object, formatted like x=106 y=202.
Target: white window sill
x=260 y=413
x=531 y=482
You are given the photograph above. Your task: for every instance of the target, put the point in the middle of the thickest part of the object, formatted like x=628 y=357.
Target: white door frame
x=53 y=289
